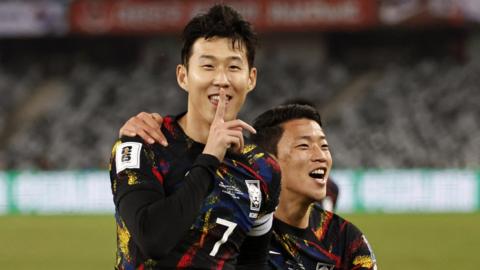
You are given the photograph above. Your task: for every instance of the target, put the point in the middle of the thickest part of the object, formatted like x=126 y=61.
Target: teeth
x=319 y=171
x=217 y=97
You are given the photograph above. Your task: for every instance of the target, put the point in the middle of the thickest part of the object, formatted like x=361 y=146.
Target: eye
x=302 y=146
x=208 y=67
x=233 y=67
x=325 y=146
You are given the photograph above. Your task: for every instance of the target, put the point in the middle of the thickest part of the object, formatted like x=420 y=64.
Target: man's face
x=304 y=158
x=215 y=64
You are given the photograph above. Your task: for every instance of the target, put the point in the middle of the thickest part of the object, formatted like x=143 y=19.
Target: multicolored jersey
x=329 y=243
x=177 y=208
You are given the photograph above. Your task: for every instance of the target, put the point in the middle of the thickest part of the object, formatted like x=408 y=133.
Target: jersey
x=177 y=208
x=329 y=243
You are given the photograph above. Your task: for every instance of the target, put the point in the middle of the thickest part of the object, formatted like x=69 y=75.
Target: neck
x=193 y=128
x=293 y=210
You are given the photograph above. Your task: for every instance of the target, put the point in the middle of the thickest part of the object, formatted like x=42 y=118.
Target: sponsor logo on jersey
x=233 y=191
x=128 y=156
x=255 y=194
x=324 y=266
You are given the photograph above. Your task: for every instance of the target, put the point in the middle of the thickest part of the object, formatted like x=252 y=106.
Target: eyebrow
x=211 y=57
x=323 y=137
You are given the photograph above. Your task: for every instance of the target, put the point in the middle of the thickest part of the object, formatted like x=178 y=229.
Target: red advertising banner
x=110 y=16
x=163 y=16
x=149 y=16
x=324 y=14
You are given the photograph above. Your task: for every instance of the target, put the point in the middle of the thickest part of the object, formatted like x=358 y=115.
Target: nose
x=221 y=79
x=318 y=154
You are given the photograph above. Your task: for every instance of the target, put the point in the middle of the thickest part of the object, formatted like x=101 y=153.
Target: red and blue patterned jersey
x=195 y=209
x=329 y=243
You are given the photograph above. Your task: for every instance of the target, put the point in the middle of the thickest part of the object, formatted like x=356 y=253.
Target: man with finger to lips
x=206 y=199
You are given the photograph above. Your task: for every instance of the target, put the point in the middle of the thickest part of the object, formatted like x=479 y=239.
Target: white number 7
x=230 y=227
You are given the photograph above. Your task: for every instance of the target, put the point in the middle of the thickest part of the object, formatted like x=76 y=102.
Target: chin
x=320 y=197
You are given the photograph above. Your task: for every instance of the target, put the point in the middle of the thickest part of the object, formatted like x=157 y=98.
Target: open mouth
x=214 y=99
x=318 y=175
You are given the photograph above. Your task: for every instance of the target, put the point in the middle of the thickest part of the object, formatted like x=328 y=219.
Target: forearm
x=254 y=252
x=158 y=223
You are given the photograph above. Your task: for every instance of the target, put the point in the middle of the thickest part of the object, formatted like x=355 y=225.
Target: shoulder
x=131 y=145
x=172 y=130
x=358 y=253
x=126 y=147
x=333 y=228
x=322 y=217
x=133 y=153
x=259 y=158
x=169 y=123
x=265 y=166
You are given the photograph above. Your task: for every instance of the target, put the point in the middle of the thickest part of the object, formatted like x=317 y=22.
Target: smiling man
x=306 y=236
x=205 y=200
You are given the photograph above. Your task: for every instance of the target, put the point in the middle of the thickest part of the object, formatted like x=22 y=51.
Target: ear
x=273 y=156
x=252 y=79
x=182 y=77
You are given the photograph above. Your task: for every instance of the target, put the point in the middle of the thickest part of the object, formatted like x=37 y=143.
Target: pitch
x=400 y=241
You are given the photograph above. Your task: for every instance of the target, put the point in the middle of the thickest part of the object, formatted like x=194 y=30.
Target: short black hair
x=269 y=124
x=220 y=21
x=299 y=101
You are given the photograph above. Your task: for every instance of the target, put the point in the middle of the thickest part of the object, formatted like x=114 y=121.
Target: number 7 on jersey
x=230 y=227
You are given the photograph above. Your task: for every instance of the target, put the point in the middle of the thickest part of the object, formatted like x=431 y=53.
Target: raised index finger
x=221 y=106
x=239 y=124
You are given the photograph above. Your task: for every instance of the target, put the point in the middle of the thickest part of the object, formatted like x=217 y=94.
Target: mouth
x=319 y=175
x=215 y=98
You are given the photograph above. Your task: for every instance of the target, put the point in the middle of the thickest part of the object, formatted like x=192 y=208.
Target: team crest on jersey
x=128 y=156
x=324 y=266
x=255 y=194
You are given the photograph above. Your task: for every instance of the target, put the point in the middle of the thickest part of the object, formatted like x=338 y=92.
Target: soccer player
x=205 y=200
x=329 y=202
x=305 y=235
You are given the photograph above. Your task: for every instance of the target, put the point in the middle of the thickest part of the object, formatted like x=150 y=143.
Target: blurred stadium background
x=397 y=83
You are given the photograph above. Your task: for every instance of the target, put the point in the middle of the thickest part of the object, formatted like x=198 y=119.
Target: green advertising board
x=387 y=191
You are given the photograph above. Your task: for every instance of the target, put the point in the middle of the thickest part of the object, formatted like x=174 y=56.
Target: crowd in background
x=63 y=100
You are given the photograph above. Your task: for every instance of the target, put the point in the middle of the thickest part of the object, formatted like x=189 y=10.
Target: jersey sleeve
x=254 y=252
x=156 y=222
x=270 y=173
x=359 y=254
x=274 y=184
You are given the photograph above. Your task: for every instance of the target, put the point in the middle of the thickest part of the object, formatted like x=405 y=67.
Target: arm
x=254 y=252
x=156 y=222
x=254 y=249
